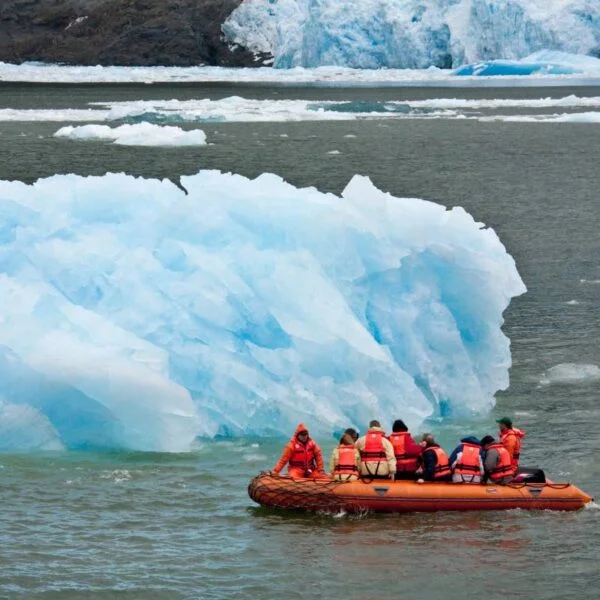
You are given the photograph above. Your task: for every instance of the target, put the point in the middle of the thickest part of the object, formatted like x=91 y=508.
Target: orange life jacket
x=373 y=452
x=303 y=456
x=504 y=468
x=442 y=466
x=346 y=464
x=517 y=434
x=404 y=462
x=469 y=463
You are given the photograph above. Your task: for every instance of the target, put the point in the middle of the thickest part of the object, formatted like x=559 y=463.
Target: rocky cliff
x=119 y=32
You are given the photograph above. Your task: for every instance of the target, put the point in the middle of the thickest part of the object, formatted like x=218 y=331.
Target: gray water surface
x=127 y=525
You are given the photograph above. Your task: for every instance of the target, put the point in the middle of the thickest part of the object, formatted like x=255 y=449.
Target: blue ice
x=412 y=34
x=539 y=63
x=136 y=316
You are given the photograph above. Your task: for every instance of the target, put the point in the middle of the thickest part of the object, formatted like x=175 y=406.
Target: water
x=129 y=525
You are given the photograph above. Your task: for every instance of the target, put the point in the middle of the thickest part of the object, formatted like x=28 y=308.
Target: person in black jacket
x=435 y=464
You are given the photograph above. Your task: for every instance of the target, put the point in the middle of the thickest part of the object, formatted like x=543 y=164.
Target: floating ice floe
x=157 y=122
x=539 y=63
x=566 y=373
x=140 y=134
x=136 y=316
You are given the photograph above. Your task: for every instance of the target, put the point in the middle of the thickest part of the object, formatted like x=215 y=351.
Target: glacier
x=140 y=314
x=411 y=34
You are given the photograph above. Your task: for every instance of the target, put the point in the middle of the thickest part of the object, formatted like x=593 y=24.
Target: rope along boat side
x=408 y=496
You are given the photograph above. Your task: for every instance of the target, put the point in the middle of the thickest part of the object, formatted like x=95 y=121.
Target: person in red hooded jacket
x=511 y=439
x=302 y=455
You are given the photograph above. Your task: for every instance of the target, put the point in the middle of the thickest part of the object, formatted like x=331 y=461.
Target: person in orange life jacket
x=345 y=459
x=466 y=461
x=376 y=454
x=511 y=439
x=302 y=455
x=406 y=451
x=434 y=461
x=497 y=462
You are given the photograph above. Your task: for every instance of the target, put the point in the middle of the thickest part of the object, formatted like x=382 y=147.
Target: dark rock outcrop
x=119 y=32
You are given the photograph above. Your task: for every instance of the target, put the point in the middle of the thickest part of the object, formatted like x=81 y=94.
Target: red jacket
x=307 y=456
x=406 y=451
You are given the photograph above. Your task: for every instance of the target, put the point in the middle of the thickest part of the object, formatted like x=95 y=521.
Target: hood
x=301 y=427
x=518 y=432
x=470 y=439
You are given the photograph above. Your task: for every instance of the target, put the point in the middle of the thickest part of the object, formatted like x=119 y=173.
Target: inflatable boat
x=384 y=496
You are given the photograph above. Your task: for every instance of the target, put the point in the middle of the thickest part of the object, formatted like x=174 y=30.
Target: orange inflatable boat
x=318 y=495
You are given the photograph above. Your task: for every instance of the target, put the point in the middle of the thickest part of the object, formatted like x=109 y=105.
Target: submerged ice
x=412 y=34
x=135 y=315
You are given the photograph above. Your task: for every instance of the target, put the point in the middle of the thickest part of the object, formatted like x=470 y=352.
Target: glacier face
x=411 y=33
x=137 y=316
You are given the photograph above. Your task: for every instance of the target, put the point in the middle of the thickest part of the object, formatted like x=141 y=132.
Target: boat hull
x=383 y=496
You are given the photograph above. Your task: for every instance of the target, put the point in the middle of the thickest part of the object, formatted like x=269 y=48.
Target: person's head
x=302 y=434
x=486 y=440
x=351 y=433
x=504 y=423
x=399 y=426
x=428 y=439
x=374 y=423
x=347 y=439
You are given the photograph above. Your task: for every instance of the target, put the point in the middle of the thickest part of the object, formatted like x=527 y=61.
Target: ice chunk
x=539 y=63
x=140 y=134
x=573 y=373
x=134 y=315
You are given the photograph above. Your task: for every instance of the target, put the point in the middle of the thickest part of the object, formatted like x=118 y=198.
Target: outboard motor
x=529 y=475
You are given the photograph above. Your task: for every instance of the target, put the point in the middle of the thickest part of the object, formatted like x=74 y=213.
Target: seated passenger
x=376 y=454
x=345 y=459
x=302 y=455
x=406 y=451
x=434 y=461
x=497 y=462
x=466 y=461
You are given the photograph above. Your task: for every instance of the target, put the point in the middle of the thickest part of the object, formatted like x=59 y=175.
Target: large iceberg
x=139 y=314
x=412 y=34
